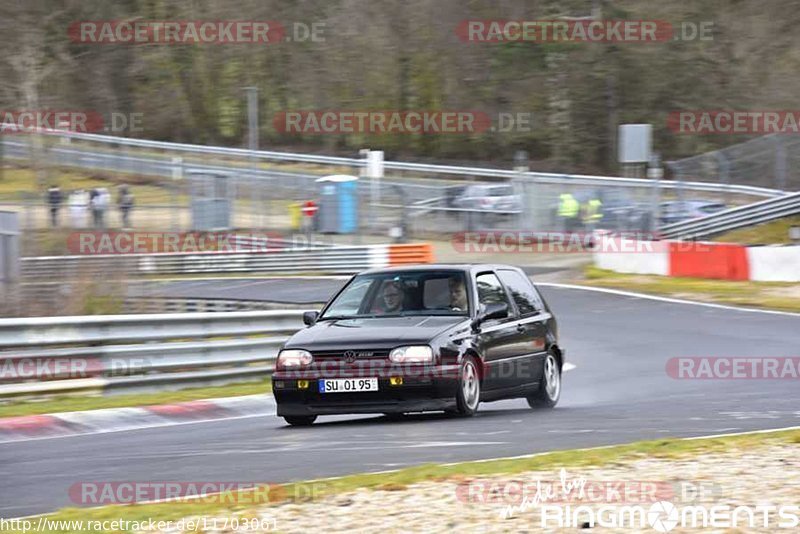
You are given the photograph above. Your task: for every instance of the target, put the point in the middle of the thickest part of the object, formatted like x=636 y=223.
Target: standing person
x=568 y=211
x=592 y=213
x=94 y=208
x=54 y=200
x=125 y=203
x=103 y=200
x=78 y=202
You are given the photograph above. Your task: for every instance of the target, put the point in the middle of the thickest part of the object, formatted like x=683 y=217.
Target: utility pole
x=252 y=145
x=252 y=117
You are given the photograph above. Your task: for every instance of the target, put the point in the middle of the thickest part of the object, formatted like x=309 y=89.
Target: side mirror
x=310 y=317
x=496 y=310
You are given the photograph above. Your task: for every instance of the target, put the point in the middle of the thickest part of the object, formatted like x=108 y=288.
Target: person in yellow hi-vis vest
x=568 y=211
x=592 y=214
x=295 y=216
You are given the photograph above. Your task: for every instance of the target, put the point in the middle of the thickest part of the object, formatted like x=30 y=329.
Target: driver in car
x=458 y=294
x=391 y=300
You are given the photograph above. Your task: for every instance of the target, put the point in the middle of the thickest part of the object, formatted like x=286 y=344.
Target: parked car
x=452 y=193
x=422 y=338
x=497 y=198
x=621 y=212
x=677 y=210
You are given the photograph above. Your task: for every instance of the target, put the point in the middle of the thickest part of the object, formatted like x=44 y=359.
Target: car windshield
x=398 y=294
x=711 y=208
x=501 y=191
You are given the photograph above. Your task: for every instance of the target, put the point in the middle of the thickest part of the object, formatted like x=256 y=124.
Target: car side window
x=522 y=291
x=351 y=298
x=491 y=291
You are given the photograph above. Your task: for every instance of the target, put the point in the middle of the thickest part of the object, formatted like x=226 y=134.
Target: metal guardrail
x=339 y=260
x=725 y=221
x=51 y=296
x=54 y=355
x=167 y=304
x=423 y=168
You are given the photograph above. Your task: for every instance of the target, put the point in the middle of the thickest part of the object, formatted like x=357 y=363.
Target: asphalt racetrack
x=618 y=392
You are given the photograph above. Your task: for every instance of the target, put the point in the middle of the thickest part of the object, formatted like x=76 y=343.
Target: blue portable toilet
x=338 y=204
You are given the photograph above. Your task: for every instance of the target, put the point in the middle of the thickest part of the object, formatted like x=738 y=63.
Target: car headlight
x=412 y=354
x=293 y=359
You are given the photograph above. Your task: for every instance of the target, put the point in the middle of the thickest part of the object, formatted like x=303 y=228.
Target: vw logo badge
x=349 y=356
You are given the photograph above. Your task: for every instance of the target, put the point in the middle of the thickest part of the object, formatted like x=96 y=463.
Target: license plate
x=348 y=385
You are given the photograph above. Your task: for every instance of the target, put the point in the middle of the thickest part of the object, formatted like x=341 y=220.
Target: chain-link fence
x=410 y=201
x=769 y=161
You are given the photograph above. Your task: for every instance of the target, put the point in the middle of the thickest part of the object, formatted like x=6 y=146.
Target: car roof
x=466 y=268
x=693 y=202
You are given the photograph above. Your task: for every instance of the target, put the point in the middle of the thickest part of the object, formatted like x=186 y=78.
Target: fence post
x=656 y=173
x=724 y=173
x=518 y=186
x=177 y=175
x=9 y=258
x=780 y=163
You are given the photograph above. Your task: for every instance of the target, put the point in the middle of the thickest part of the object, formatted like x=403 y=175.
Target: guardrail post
x=725 y=174
x=177 y=175
x=9 y=256
x=780 y=163
x=655 y=173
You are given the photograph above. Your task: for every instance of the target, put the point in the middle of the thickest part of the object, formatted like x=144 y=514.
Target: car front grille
x=358 y=354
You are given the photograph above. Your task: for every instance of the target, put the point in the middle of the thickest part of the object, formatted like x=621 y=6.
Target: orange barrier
x=411 y=253
x=725 y=261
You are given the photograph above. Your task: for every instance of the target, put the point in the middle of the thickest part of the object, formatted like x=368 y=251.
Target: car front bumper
x=417 y=393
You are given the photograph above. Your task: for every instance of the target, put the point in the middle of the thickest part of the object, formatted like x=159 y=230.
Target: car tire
x=468 y=396
x=549 y=390
x=300 y=420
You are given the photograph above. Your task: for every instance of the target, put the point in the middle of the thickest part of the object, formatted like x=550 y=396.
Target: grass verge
x=398 y=480
x=776 y=232
x=784 y=296
x=66 y=403
x=23 y=180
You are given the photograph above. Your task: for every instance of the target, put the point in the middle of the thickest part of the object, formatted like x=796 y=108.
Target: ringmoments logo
x=564 y=504
x=663 y=516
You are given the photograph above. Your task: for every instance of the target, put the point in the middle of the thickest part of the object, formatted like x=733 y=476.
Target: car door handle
x=520 y=328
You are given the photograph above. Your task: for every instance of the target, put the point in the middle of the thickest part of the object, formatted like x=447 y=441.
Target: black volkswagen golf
x=422 y=338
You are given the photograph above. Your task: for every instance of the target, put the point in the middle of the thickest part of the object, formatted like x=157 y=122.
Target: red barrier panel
x=725 y=261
